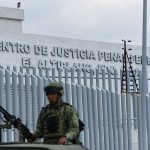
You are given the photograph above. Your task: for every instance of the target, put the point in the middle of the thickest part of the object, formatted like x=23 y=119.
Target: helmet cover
x=54 y=88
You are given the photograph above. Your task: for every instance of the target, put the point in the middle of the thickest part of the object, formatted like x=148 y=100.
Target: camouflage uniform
x=64 y=124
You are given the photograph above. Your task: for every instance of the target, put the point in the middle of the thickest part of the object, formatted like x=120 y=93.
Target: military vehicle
x=27 y=146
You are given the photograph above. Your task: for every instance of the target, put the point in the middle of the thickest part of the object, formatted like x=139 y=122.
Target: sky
x=96 y=20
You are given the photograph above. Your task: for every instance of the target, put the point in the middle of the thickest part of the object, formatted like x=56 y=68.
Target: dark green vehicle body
x=26 y=146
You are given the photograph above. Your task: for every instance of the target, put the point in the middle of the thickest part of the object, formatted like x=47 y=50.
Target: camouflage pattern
x=67 y=123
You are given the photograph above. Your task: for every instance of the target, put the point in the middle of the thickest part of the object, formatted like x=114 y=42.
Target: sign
x=42 y=56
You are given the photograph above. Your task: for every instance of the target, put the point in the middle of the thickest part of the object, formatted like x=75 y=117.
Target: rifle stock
x=16 y=122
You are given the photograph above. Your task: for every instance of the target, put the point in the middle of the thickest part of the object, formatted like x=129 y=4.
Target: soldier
x=58 y=121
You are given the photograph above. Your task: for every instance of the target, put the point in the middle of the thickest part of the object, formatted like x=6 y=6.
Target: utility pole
x=144 y=90
x=128 y=73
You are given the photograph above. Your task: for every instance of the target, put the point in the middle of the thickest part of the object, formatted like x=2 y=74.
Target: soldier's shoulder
x=68 y=106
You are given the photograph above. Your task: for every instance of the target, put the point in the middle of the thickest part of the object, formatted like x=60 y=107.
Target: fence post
x=8 y=100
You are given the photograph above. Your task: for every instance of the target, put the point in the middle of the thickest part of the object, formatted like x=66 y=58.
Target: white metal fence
x=113 y=120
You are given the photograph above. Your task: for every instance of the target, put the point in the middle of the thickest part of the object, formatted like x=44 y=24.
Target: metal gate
x=113 y=120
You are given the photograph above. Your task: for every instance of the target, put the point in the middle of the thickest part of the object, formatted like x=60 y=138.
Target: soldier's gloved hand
x=32 y=139
x=63 y=140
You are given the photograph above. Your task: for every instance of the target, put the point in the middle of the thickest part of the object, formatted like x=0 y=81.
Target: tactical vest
x=54 y=123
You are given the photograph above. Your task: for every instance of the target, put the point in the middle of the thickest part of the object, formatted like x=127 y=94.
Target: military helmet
x=54 y=87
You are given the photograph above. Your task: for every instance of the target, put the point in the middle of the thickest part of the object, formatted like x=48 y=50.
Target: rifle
x=16 y=122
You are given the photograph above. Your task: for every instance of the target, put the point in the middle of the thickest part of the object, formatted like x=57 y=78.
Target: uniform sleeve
x=39 y=126
x=73 y=123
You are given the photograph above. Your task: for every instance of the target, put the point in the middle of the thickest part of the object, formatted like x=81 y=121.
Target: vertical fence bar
x=116 y=80
x=74 y=95
x=148 y=120
x=114 y=121
x=64 y=96
x=2 y=103
x=15 y=101
x=144 y=122
x=40 y=93
x=27 y=70
x=95 y=118
x=135 y=110
x=90 y=115
x=97 y=78
x=28 y=101
x=103 y=79
x=80 y=106
x=72 y=75
x=8 y=68
x=79 y=98
x=22 y=103
x=47 y=73
x=79 y=76
x=85 y=117
x=66 y=74
x=124 y=121
x=109 y=111
x=8 y=100
x=139 y=122
x=68 y=93
x=105 y=120
x=100 y=119
x=59 y=75
x=40 y=72
x=129 y=125
x=21 y=70
x=34 y=101
x=91 y=77
x=119 y=126
x=14 y=69
x=53 y=74
x=109 y=80
x=34 y=71
x=85 y=77
x=45 y=83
